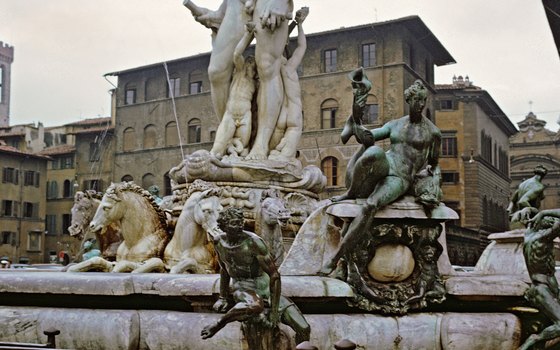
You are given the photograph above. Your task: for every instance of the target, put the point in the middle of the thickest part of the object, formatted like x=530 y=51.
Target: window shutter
x=13 y=238
x=16 y=177
x=37 y=179
x=3 y=208
x=15 y=209
x=4 y=175
x=455 y=104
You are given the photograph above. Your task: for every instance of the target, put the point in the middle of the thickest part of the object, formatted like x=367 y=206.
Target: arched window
x=127 y=178
x=148 y=180
x=195 y=82
x=129 y=94
x=67 y=190
x=194 y=130
x=328 y=114
x=167 y=191
x=329 y=167
x=372 y=111
x=152 y=89
x=150 y=136
x=129 y=139
x=171 y=134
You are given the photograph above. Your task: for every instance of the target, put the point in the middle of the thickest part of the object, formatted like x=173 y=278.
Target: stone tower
x=6 y=59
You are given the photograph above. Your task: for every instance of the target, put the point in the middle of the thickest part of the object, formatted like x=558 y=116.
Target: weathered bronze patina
x=526 y=201
x=383 y=177
x=256 y=300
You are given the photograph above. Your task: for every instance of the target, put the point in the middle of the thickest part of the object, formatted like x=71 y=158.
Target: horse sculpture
x=273 y=217
x=190 y=250
x=85 y=205
x=143 y=224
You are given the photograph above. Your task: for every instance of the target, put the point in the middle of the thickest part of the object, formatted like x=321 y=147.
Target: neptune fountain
x=207 y=268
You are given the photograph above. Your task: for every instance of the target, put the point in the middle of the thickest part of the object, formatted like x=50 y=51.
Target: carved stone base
x=395 y=268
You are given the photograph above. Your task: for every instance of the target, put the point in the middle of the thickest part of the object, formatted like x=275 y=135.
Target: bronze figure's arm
x=267 y=264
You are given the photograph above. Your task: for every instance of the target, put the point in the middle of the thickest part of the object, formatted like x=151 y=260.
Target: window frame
x=453 y=181
x=448 y=148
x=197 y=85
x=130 y=96
x=329 y=168
x=330 y=60
x=194 y=130
x=446 y=104
x=369 y=61
x=174 y=87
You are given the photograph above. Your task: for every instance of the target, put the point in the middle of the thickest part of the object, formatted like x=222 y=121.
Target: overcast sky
x=64 y=47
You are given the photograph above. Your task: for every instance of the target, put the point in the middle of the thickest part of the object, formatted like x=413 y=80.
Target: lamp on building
x=471 y=159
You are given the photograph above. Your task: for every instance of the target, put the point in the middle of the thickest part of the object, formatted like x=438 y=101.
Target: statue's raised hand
x=275 y=13
x=301 y=15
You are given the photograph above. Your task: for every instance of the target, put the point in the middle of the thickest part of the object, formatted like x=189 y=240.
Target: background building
x=6 y=59
x=75 y=156
x=475 y=165
x=22 y=199
x=534 y=145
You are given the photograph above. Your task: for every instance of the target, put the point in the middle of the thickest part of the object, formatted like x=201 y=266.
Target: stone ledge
x=487 y=285
x=147 y=329
x=121 y=284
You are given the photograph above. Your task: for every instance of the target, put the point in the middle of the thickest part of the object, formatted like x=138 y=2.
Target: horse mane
x=132 y=187
x=92 y=194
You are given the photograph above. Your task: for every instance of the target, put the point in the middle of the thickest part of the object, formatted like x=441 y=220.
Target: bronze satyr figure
x=256 y=301
x=538 y=250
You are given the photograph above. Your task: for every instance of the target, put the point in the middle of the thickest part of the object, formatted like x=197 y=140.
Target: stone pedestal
x=395 y=268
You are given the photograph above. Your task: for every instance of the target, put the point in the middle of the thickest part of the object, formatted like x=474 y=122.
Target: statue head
x=154 y=190
x=540 y=170
x=88 y=245
x=416 y=96
x=231 y=220
x=250 y=67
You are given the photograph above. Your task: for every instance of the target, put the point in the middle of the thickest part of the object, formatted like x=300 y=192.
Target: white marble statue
x=189 y=249
x=271 y=33
x=290 y=123
x=234 y=131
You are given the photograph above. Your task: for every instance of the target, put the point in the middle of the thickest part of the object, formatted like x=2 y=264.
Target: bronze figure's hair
x=417 y=88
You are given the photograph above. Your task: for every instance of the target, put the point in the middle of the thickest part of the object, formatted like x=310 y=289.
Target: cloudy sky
x=64 y=47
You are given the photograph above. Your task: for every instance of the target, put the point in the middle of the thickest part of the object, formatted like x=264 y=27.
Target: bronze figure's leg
x=248 y=305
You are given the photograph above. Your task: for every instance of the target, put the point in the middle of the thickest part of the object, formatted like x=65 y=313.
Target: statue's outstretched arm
x=267 y=264
x=537 y=219
x=299 y=52
x=433 y=157
x=238 y=59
